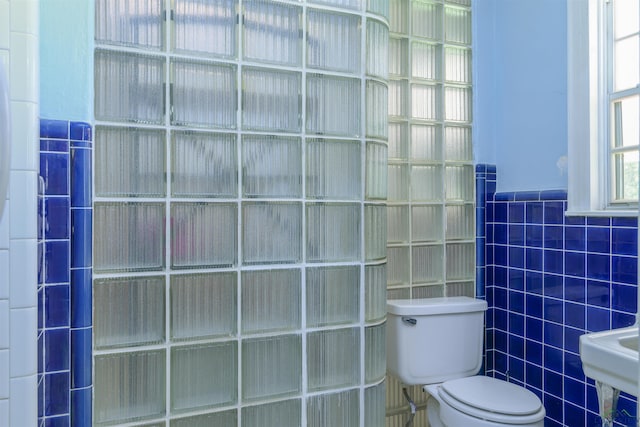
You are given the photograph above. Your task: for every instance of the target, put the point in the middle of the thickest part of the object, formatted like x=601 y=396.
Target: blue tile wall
x=64 y=273
x=548 y=279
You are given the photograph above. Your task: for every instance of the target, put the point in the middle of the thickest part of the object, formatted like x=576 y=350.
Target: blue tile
x=56 y=211
x=534 y=235
x=598 y=319
x=516 y=370
x=480 y=223
x=41 y=352
x=553 y=213
x=599 y=239
x=57 y=403
x=553 y=310
x=505 y=197
x=489 y=254
x=516 y=235
x=516 y=257
x=54 y=170
x=56 y=255
x=626 y=413
x=528 y=196
x=572 y=339
x=573 y=366
x=81 y=144
x=574 y=391
x=81 y=358
x=61 y=421
x=500 y=234
x=598 y=293
x=624 y=241
x=500 y=255
x=80 y=131
x=553 y=261
x=40 y=249
x=56 y=303
x=81 y=407
x=533 y=282
x=624 y=269
x=574 y=414
x=56 y=350
x=575 y=238
x=489 y=212
x=40 y=308
x=553 y=286
x=516 y=212
x=598 y=267
x=574 y=264
x=534 y=375
x=516 y=323
x=516 y=279
x=553 y=195
x=81 y=297
x=622 y=320
x=553 y=383
x=575 y=220
x=624 y=298
x=553 y=358
x=533 y=259
x=500 y=211
x=516 y=302
x=516 y=346
x=575 y=314
x=553 y=335
x=624 y=222
x=534 y=212
x=599 y=221
x=54 y=145
x=481 y=167
x=501 y=364
x=533 y=350
x=533 y=305
x=81 y=248
x=553 y=237
x=491 y=187
x=491 y=168
x=80 y=178
x=501 y=341
x=54 y=129
x=575 y=289
x=500 y=299
x=500 y=277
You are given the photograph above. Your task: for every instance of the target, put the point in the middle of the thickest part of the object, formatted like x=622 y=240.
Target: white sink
x=611 y=357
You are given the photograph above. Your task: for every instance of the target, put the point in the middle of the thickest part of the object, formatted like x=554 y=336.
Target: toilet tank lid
x=430 y=306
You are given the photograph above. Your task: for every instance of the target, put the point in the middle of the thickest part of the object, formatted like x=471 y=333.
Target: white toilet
x=437 y=343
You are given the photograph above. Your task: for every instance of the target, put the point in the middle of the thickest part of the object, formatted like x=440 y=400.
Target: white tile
x=23 y=75
x=4 y=324
x=4 y=274
x=4 y=227
x=4 y=412
x=23 y=405
x=25 y=129
x=4 y=374
x=4 y=24
x=23 y=275
x=24 y=16
x=24 y=342
x=23 y=193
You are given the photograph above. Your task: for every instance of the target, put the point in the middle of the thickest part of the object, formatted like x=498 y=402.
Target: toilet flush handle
x=409 y=321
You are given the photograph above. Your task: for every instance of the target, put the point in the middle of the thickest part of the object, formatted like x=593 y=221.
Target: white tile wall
x=18 y=224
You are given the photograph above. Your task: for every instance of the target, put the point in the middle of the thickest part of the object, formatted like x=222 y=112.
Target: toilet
x=437 y=343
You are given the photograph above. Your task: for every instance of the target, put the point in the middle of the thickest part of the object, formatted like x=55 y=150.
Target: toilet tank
x=434 y=340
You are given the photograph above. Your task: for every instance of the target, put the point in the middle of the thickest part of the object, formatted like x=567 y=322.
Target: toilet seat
x=492 y=400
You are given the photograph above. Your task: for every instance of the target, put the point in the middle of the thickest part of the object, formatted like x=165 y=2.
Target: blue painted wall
x=520 y=83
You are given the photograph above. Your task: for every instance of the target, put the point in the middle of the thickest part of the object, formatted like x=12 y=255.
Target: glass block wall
x=431 y=202
x=239 y=212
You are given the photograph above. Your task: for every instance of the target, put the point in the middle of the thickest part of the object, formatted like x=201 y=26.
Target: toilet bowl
x=437 y=343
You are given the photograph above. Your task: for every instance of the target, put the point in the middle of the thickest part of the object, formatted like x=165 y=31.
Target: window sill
x=627 y=213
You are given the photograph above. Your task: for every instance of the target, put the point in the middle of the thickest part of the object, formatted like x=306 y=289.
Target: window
x=603 y=105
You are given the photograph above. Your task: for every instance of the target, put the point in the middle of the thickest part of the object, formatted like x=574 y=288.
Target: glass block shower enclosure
x=239 y=212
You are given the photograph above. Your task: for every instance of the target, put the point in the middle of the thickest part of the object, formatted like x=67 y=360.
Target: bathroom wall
x=18 y=236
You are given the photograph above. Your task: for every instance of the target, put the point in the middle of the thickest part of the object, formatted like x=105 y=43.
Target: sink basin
x=611 y=357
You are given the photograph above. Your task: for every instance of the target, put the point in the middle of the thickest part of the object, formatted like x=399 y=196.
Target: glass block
x=333 y=41
x=399 y=16
x=337 y=409
x=333 y=232
x=457 y=64
x=129 y=311
x=375 y=352
x=425 y=61
x=204 y=165
x=271 y=100
x=333 y=359
x=425 y=101
x=218 y=419
x=426 y=183
x=375 y=292
x=377 y=102
x=374 y=405
x=398 y=57
x=271 y=166
x=426 y=143
x=278 y=414
x=203 y=305
x=398 y=98
x=378 y=7
x=457 y=143
x=204 y=94
x=128 y=236
x=399 y=293
x=460 y=222
x=342 y=4
x=377 y=49
x=397 y=265
x=203 y=235
x=333 y=105
x=427 y=223
x=431 y=291
x=129 y=387
x=205 y=26
x=129 y=162
x=398 y=224
x=457 y=104
x=460 y=261
x=272 y=32
x=398 y=141
x=333 y=295
x=129 y=87
x=375 y=232
x=460 y=2
x=128 y=23
x=398 y=182
x=377 y=170
x=461 y=289
x=427 y=264
x=271 y=300
x=271 y=233
x=333 y=169
x=460 y=183
x=204 y=376
x=457 y=24
x=271 y=367
x=426 y=19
